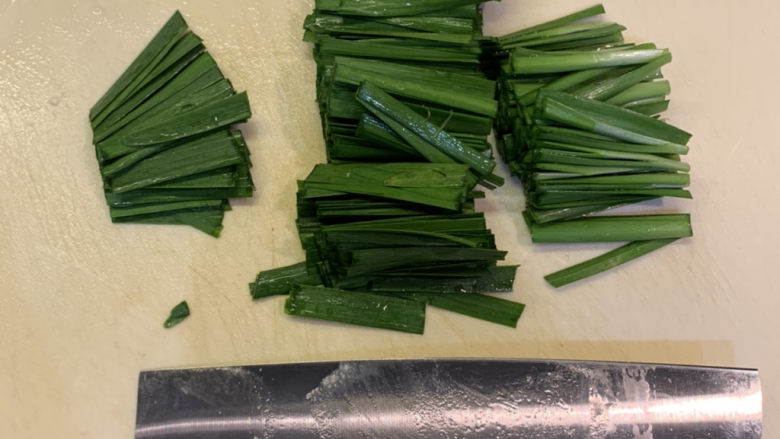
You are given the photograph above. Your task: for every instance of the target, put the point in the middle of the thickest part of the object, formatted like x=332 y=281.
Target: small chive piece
x=178 y=314
x=604 y=262
x=363 y=309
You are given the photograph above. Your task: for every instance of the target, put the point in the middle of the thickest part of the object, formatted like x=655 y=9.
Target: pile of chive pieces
x=579 y=124
x=164 y=140
x=388 y=225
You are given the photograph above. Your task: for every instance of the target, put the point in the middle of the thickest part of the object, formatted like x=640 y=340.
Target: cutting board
x=82 y=300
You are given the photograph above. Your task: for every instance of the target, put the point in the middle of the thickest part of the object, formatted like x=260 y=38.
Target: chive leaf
x=178 y=314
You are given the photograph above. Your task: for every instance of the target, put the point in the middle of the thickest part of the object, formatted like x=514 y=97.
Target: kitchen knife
x=454 y=398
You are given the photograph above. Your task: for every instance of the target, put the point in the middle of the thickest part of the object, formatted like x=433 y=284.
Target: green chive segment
x=606 y=261
x=363 y=309
x=178 y=314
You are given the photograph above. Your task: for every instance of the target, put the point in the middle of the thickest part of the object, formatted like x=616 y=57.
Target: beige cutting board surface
x=82 y=301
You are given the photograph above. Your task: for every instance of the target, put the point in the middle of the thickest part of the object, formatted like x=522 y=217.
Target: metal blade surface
x=450 y=399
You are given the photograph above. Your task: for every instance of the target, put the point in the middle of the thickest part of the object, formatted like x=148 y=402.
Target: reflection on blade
x=450 y=398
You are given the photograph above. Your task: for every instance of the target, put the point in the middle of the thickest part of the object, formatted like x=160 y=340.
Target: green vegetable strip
x=543 y=156
x=128 y=160
x=366 y=179
x=426 y=237
x=497 y=279
x=147 y=209
x=467 y=83
x=174 y=27
x=208 y=221
x=357 y=239
x=571 y=171
x=457 y=122
x=212 y=152
x=606 y=42
x=373 y=260
x=383 y=50
x=137 y=83
x=372 y=129
x=488 y=308
x=464 y=11
x=572 y=212
x=578 y=200
x=420 y=145
x=280 y=281
x=201 y=120
x=189 y=77
x=575 y=34
x=363 y=309
x=150 y=89
x=114 y=147
x=607 y=119
x=391 y=8
x=220 y=178
x=178 y=314
x=614 y=228
x=566 y=82
x=400 y=174
x=384 y=106
x=550 y=198
x=576 y=16
x=431 y=223
x=651 y=109
x=176 y=98
x=567 y=30
x=565 y=150
x=654 y=179
x=639 y=91
x=610 y=87
x=440 y=88
x=605 y=262
x=523 y=64
x=429 y=23
x=155 y=196
x=319 y=24
x=592 y=140
x=435 y=198
x=343 y=148
x=187 y=45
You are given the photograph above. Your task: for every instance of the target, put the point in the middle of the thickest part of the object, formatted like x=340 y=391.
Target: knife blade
x=450 y=398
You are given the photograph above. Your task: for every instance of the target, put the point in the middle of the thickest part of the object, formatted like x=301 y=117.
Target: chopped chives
x=163 y=140
x=405 y=115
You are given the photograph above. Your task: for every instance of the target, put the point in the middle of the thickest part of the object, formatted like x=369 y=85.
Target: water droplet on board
x=97 y=11
x=54 y=101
